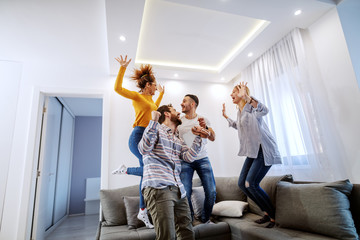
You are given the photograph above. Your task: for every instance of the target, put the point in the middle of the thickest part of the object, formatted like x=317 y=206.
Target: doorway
x=56 y=159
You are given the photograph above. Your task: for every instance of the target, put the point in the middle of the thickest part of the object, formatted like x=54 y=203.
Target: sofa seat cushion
x=219 y=230
x=245 y=228
x=123 y=233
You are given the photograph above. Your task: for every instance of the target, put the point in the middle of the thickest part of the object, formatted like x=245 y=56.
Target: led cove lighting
x=297 y=12
x=262 y=24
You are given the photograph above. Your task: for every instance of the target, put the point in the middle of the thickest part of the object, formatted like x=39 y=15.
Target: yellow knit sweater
x=143 y=104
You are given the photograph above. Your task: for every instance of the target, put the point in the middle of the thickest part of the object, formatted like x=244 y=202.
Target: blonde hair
x=242 y=101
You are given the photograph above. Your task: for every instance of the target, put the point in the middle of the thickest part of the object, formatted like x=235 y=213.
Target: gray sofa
x=303 y=211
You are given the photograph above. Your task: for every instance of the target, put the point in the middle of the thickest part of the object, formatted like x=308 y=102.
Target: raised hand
x=123 y=62
x=160 y=88
x=242 y=90
x=224 y=111
x=155 y=115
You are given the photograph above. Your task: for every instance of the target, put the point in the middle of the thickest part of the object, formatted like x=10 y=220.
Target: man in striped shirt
x=164 y=194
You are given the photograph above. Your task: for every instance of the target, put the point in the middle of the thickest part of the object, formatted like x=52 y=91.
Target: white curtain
x=298 y=112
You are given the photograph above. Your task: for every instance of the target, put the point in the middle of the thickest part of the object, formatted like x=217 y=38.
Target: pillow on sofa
x=132 y=210
x=197 y=200
x=322 y=208
x=112 y=204
x=230 y=208
x=268 y=184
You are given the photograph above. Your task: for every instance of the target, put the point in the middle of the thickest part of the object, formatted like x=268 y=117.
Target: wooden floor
x=76 y=228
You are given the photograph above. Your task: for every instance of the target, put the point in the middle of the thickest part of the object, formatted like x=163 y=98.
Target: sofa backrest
x=113 y=206
x=227 y=189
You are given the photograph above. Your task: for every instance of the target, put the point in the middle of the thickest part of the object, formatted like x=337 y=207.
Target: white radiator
x=92 y=197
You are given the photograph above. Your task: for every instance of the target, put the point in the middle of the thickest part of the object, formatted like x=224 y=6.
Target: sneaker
x=120 y=170
x=142 y=216
x=270 y=225
x=209 y=222
x=262 y=220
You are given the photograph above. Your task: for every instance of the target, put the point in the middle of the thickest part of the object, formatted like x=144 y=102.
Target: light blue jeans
x=206 y=175
x=134 y=140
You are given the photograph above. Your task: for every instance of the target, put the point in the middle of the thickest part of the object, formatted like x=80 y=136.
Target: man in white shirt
x=201 y=164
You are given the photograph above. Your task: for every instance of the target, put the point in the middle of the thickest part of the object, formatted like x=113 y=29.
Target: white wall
x=331 y=65
x=349 y=12
x=62 y=45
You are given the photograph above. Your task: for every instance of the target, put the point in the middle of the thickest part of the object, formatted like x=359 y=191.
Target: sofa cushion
x=112 y=204
x=322 y=208
x=246 y=228
x=227 y=189
x=197 y=200
x=268 y=184
x=123 y=233
x=229 y=208
x=132 y=210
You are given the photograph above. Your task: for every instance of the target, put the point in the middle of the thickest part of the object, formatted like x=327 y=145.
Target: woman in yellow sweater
x=143 y=106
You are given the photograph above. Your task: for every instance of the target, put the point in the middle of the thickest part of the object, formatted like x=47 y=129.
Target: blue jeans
x=253 y=171
x=134 y=140
x=206 y=175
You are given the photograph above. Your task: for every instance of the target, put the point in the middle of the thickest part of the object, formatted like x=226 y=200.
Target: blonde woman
x=143 y=106
x=258 y=145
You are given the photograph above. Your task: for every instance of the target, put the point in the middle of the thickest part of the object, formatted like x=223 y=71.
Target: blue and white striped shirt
x=163 y=152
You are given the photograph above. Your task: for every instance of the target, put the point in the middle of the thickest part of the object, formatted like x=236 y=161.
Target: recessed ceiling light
x=250 y=54
x=122 y=38
x=222 y=79
x=297 y=12
x=176 y=75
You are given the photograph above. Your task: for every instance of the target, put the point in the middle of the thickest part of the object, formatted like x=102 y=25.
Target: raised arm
x=119 y=79
x=161 y=90
x=259 y=111
x=231 y=122
x=189 y=154
x=150 y=135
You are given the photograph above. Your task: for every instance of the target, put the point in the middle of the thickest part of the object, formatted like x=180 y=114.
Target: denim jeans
x=253 y=171
x=134 y=140
x=169 y=212
x=206 y=175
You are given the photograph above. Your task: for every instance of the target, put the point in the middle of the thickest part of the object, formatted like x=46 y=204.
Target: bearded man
x=164 y=194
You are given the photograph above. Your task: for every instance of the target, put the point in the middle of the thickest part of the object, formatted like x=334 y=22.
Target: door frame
x=39 y=96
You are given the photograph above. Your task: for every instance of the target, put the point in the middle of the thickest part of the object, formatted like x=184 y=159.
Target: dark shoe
x=264 y=219
x=270 y=225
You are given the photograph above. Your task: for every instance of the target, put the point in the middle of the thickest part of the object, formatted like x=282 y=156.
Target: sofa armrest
x=98 y=232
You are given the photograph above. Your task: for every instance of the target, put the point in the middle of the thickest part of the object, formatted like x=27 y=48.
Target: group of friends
x=171 y=148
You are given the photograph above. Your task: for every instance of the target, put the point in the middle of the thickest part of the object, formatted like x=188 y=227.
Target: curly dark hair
x=143 y=75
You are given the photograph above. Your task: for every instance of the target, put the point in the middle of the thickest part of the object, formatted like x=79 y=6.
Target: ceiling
x=202 y=40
